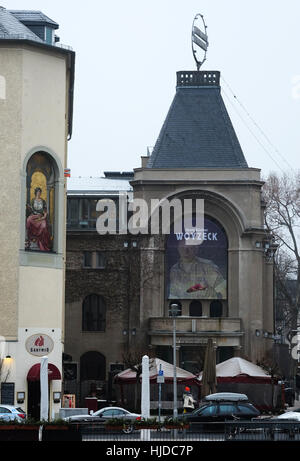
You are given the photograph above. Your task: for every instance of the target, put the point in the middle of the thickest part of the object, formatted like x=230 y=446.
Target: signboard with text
x=39 y=345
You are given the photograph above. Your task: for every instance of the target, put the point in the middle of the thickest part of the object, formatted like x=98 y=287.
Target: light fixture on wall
x=257 y=333
x=258 y=244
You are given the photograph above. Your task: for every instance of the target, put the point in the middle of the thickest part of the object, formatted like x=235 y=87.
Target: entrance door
x=34 y=399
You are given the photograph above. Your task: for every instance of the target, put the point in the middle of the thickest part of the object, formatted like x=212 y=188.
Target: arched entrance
x=92 y=374
x=34 y=391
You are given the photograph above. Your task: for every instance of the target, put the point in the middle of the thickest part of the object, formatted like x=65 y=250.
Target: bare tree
x=271 y=366
x=133 y=359
x=281 y=194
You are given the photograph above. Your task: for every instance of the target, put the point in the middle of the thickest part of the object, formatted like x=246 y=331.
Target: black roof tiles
x=197 y=132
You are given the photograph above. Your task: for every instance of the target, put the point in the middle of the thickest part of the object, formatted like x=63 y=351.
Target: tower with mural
x=36 y=102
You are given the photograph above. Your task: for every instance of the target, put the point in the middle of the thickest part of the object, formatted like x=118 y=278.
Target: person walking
x=188 y=401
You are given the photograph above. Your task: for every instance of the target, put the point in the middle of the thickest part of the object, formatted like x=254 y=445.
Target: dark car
x=211 y=414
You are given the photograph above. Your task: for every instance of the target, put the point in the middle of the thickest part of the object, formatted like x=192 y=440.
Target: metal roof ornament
x=199 y=40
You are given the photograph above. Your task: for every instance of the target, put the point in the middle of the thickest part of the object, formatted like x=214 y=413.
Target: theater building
x=119 y=288
x=36 y=100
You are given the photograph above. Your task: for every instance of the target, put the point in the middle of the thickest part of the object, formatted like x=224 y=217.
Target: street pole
x=174 y=311
x=175 y=410
x=159 y=396
x=145 y=397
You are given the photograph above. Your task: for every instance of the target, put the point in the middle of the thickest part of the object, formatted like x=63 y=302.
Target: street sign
x=160 y=377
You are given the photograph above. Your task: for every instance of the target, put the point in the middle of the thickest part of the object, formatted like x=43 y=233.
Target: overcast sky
x=127 y=55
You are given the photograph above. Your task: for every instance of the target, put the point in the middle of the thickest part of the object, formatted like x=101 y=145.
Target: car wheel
x=127 y=429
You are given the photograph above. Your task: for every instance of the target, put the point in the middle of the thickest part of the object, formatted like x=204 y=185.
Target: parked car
x=103 y=415
x=218 y=408
x=290 y=415
x=11 y=413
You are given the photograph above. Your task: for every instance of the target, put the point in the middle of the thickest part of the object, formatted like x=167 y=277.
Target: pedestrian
x=188 y=401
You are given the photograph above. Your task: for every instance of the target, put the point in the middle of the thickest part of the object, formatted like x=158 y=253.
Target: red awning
x=34 y=372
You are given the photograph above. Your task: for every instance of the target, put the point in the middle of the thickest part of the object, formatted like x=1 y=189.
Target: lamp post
x=174 y=311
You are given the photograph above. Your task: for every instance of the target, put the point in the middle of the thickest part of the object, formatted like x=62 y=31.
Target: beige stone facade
x=34 y=117
x=197 y=156
x=233 y=198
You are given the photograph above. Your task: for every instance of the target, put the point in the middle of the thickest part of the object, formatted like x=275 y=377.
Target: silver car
x=11 y=413
x=103 y=415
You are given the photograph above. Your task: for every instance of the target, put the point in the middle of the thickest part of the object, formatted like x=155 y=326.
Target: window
x=4 y=410
x=208 y=411
x=100 y=260
x=49 y=34
x=216 y=309
x=113 y=413
x=195 y=309
x=119 y=413
x=224 y=353
x=93 y=313
x=227 y=409
x=116 y=367
x=87 y=259
x=108 y=413
x=81 y=213
x=94 y=260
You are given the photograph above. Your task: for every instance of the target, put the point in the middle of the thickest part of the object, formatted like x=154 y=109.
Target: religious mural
x=40 y=203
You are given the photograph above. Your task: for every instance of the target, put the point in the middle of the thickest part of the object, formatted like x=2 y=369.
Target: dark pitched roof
x=197 y=132
x=33 y=17
x=12 y=27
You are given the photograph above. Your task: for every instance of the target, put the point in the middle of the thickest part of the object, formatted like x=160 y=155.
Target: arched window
x=92 y=366
x=93 y=313
x=216 y=309
x=41 y=178
x=195 y=309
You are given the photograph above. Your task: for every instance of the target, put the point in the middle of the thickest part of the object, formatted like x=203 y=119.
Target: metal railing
x=270 y=430
x=259 y=430
x=198 y=78
x=32 y=38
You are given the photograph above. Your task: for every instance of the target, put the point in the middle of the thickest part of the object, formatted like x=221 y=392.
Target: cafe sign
x=39 y=345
